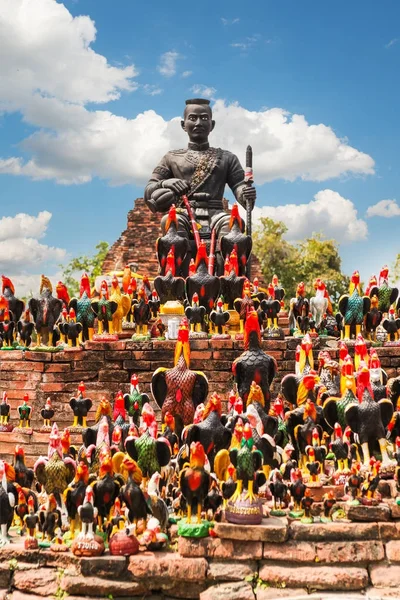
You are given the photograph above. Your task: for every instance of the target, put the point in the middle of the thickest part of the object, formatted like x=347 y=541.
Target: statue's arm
x=236 y=182
x=160 y=174
x=164 y=189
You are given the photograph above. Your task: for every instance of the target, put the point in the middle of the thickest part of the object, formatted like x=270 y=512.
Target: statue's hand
x=163 y=199
x=249 y=195
x=179 y=186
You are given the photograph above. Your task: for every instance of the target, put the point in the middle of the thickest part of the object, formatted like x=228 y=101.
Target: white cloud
x=46 y=51
x=203 y=90
x=229 y=21
x=248 y=42
x=168 y=60
x=392 y=42
x=48 y=71
x=187 y=74
x=336 y=217
x=23 y=225
x=20 y=248
x=384 y=208
x=152 y=90
x=83 y=144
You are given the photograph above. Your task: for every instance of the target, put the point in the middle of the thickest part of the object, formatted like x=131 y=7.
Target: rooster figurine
x=83 y=309
x=80 y=406
x=247 y=462
x=7 y=328
x=45 y=311
x=299 y=306
x=62 y=293
x=195 y=314
x=179 y=390
x=219 y=318
x=194 y=482
x=54 y=472
x=151 y=453
x=353 y=306
x=319 y=303
x=141 y=312
x=169 y=286
x=254 y=364
x=205 y=285
x=15 y=306
x=123 y=305
x=237 y=240
x=231 y=283
x=25 y=328
x=5 y=409
x=212 y=435
x=386 y=295
x=369 y=419
x=171 y=239
x=104 y=309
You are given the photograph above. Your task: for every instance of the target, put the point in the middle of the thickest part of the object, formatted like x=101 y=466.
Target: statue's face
x=197 y=122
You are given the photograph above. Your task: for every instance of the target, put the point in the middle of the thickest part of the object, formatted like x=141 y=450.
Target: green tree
x=91 y=265
x=320 y=258
x=305 y=261
x=396 y=269
x=276 y=255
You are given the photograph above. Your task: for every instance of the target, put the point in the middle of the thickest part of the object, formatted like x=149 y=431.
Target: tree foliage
x=396 y=269
x=91 y=265
x=305 y=261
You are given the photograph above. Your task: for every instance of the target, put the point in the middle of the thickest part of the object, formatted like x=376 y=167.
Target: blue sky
x=89 y=91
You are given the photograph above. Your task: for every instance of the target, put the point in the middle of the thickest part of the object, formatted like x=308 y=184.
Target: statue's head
x=197 y=120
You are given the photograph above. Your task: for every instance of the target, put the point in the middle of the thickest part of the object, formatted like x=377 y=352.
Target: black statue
x=200 y=172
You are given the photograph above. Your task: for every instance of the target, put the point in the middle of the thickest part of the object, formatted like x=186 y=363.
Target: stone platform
x=274 y=560
x=107 y=367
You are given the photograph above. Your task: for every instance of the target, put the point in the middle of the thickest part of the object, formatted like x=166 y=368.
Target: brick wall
x=107 y=367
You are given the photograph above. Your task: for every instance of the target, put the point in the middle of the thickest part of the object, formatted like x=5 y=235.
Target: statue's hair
x=197 y=101
x=201 y=101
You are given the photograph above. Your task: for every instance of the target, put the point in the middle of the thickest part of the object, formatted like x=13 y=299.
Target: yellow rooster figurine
x=124 y=304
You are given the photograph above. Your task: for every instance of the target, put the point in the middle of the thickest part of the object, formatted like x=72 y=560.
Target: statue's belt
x=207 y=204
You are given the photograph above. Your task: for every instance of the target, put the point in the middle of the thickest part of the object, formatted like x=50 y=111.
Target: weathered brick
x=368 y=513
x=230 y=570
x=111 y=355
x=290 y=551
x=120 y=345
x=93 y=586
x=22 y=366
x=350 y=552
x=393 y=550
x=58 y=368
x=235 y=590
x=272 y=529
x=167 y=565
x=11 y=355
x=42 y=582
x=201 y=355
x=219 y=548
x=38 y=356
x=221 y=344
x=139 y=365
x=315 y=576
x=336 y=531
x=384 y=575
